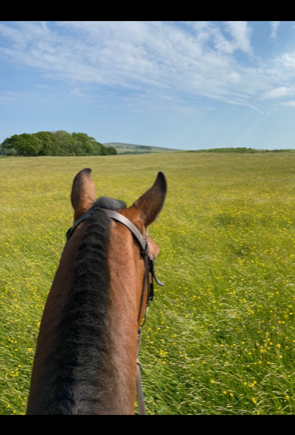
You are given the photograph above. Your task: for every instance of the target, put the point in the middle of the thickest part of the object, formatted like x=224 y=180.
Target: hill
x=127 y=148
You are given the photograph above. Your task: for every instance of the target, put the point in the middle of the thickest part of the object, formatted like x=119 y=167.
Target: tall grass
x=219 y=337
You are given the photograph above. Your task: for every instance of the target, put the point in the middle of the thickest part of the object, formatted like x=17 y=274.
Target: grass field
x=220 y=336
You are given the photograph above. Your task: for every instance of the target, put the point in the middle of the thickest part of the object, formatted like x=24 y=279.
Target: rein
x=149 y=263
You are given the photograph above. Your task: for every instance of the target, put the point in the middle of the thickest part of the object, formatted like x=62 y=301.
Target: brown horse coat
x=85 y=361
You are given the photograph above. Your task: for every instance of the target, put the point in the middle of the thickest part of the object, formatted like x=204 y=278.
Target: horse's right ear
x=151 y=202
x=83 y=193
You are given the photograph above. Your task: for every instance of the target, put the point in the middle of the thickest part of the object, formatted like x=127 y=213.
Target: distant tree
x=56 y=143
x=50 y=143
x=112 y=151
x=24 y=144
x=66 y=142
x=7 y=147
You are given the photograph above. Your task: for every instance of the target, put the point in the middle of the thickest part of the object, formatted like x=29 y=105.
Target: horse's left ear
x=151 y=202
x=83 y=193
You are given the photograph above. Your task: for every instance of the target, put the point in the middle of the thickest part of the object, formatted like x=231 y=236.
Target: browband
x=119 y=218
x=137 y=234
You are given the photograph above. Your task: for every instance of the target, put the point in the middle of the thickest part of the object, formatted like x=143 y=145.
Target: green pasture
x=220 y=336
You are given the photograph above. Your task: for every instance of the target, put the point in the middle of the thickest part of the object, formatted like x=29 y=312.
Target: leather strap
x=139 y=392
x=140 y=398
x=137 y=234
x=82 y=218
x=119 y=218
x=145 y=282
x=143 y=244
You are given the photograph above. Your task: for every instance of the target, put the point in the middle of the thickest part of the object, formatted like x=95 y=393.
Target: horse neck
x=113 y=388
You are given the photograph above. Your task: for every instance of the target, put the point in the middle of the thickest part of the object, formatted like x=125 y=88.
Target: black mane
x=80 y=359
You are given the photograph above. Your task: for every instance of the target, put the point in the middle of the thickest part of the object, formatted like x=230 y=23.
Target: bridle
x=149 y=264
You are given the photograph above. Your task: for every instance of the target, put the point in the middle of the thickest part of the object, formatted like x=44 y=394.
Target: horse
x=86 y=354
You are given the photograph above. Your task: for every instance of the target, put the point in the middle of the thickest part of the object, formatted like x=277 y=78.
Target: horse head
x=85 y=361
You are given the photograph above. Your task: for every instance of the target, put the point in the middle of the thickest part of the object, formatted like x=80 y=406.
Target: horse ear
x=151 y=202
x=83 y=193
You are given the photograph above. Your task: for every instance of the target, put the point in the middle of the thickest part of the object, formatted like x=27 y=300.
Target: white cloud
x=177 y=61
x=287 y=59
x=288 y=103
x=274 y=27
x=238 y=30
x=241 y=33
x=279 y=92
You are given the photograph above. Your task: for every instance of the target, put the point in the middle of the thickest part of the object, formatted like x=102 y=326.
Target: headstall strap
x=81 y=219
x=149 y=262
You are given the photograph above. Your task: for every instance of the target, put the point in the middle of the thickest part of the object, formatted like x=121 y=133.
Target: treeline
x=56 y=143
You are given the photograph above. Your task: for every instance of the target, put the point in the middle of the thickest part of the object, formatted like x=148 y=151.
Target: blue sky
x=185 y=85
